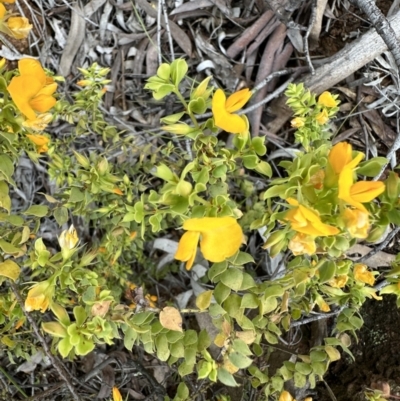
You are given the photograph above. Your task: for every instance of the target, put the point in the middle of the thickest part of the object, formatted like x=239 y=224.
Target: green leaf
x=164 y=71
x=327 y=271
x=204 y=340
x=239 y=360
x=173 y=118
x=55 y=329
x=76 y=195
x=177 y=349
x=333 y=353
x=226 y=378
x=80 y=315
x=204 y=299
x=371 y=167
x=303 y=368
x=179 y=69
x=299 y=380
x=84 y=347
x=241 y=258
x=162 y=347
x=203 y=369
x=249 y=301
x=64 y=347
x=221 y=292
x=241 y=347
x=197 y=106
x=5 y=200
x=250 y=161
x=9 y=248
x=232 y=278
x=264 y=168
x=6 y=167
x=37 y=210
x=61 y=215
x=259 y=146
x=10 y=269
x=217 y=269
x=162 y=91
x=185 y=368
x=183 y=391
x=275 y=190
x=318 y=356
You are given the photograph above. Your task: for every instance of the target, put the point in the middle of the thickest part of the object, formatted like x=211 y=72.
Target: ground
x=205 y=33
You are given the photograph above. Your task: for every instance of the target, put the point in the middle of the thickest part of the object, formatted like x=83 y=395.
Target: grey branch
x=381 y=25
x=56 y=363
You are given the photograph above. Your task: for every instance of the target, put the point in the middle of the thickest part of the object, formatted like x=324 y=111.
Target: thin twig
x=159 y=32
x=381 y=25
x=277 y=74
x=167 y=28
x=379 y=247
x=271 y=96
x=13 y=382
x=307 y=34
x=56 y=363
x=316 y=317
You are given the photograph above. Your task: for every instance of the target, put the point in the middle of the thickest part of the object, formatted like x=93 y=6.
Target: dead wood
x=381 y=25
x=249 y=34
x=316 y=28
x=273 y=48
x=343 y=64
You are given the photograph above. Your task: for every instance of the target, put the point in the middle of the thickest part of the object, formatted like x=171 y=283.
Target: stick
x=56 y=363
x=345 y=62
x=381 y=25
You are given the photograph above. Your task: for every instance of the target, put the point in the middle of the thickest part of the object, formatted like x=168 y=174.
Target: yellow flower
x=362 y=274
x=322 y=117
x=306 y=221
x=360 y=192
x=357 y=222
x=341 y=155
x=39 y=123
x=32 y=91
x=339 y=281
x=40 y=141
x=302 y=244
x=39 y=297
x=220 y=238
x=116 y=394
x=223 y=108
x=327 y=100
x=7 y=1
x=297 y=122
x=19 y=27
x=286 y=396
x=68 y=238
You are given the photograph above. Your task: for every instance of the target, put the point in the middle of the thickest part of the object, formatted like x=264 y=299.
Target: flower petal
x=204 y=224
x=366 y=191
x=339 y=156
x=327 y=100
x=30 y=66
x=237 y=100
x=2 y=11
x=219 y=244
x=22 y=89
x=42 y=103
x=187 y=248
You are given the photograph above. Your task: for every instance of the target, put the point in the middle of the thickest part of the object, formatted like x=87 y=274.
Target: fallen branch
x=343 y=64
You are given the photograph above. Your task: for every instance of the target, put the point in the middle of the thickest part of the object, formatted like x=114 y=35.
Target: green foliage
x=128 y=204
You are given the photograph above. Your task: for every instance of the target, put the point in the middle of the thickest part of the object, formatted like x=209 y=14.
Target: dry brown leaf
x=171 y=319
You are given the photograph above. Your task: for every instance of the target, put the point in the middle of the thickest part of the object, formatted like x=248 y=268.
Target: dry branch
x=344 y=63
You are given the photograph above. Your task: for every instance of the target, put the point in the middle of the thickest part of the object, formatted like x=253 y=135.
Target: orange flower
x=322 y=117
x=357 y=222
x=223 y=108
x=302 y=244
x=40 y=141
x=32 y=91
x=327 y=100
x=306 y=221
x=220 y=238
